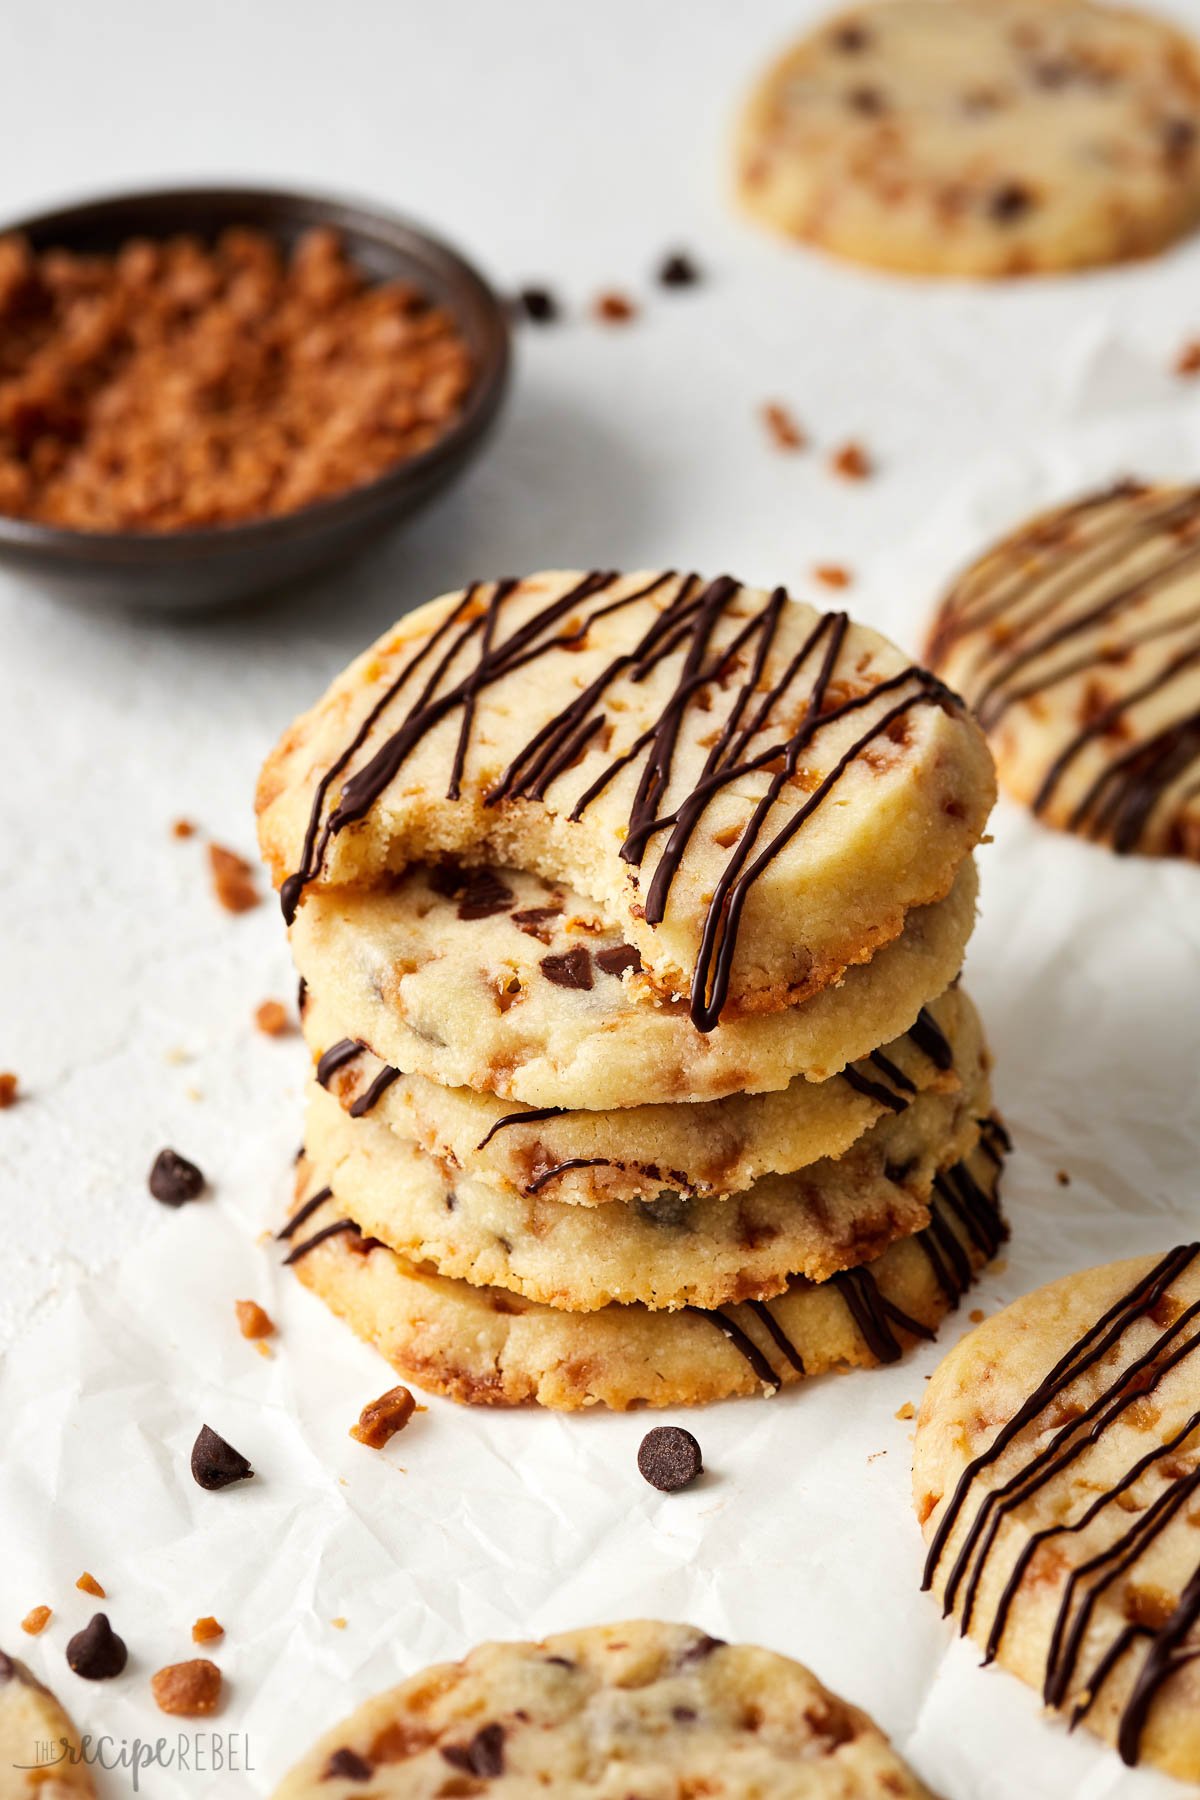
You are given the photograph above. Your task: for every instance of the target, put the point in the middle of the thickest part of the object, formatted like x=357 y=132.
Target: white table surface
x=571 y=146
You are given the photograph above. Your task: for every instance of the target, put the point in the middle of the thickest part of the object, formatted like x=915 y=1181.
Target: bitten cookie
x=752 y=795
x=39 y=1746
x=1077 y=640
x=488 y=1346
x=1056 y=1474
x=660 y=1711
x=707 y=1150
x=979 y=137
x=502 y=982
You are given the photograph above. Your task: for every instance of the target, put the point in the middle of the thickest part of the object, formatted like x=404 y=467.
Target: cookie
x=983 y=138
x=713 y=1148
x=536 y=1000
x=487 y=1346
x=39 y=1746
x=655 y=1710
x=1077 y=640
x=1056 y=1473
x=665 y=1251
x=751 y=794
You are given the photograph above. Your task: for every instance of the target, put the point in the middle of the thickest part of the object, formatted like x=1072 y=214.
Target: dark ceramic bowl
x=222 y=564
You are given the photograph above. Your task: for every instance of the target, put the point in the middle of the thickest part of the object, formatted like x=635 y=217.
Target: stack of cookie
x=629 y=912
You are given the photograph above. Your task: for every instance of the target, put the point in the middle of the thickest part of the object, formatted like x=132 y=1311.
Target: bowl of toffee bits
x=207 y=393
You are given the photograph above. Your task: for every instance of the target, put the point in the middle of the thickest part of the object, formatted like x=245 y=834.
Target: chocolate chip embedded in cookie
x=751 y=794
x=1077 y=640
x=987 y=138
x=1056 y=1475
x=691 y=1715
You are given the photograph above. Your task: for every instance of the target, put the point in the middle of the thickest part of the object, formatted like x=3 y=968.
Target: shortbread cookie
x=713 y=1148
x=40 y=1753
x=666 y=1251
x=660 y=1711
x=487 y=1346
x=751 y=794
x=499 y=981
x=1057 y=1475
x=1077 y=639
x=979 y=137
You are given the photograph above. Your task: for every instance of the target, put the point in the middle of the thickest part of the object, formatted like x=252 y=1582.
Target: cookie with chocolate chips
x=616 y=1710
x=983 y=138
x=39 y=1746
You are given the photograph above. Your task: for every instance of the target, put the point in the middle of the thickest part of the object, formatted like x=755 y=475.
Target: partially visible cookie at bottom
x=40 y=1754
x=487 y=1346
x=654 y=1710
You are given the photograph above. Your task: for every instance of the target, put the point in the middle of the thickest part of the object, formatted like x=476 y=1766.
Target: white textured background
x=573 y=146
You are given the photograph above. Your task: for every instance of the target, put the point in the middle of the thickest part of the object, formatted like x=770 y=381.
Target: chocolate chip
x=684 y=1715
x=539 y=305
x=347 y=1765
x=484 y=1755
x=447 y=879
x=666 y=1208
x=561 y=1662
x=483 y=894
x=669 y=1457
x=8 y=1667
x=1010 y=201
x=96 y=1652
x=573 y=969
x=850 y=39
x=678 y=270
x=536 y=921
x=702 y=1649
x=617 y=958
x=301 y=996
x=174 y=1180
x=866 y=100
x=216 y=1464
x=1179 y=139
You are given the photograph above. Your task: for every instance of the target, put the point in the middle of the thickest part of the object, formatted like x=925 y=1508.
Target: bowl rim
x=465 y=281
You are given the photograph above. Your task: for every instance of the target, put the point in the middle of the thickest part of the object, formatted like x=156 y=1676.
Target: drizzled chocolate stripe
x=304 y=1213
x=532 y=1116
x=336 y=1057
x=337 y=1229
x=373 y=1094
x=873 y=1090
x=687 y=621
x=744 y=1345
x=931 y=1040
x=571 y=1162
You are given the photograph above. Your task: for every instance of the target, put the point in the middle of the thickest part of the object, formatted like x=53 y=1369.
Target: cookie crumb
x=339 y=1624
x=216 y=1464
x=785 y=433
x=614 y=309
x=851 y=462
x=977 y=1315
x=9 y=1087
x=678 y=270
x=232 y=879
x=253 y=1322
x=36 y=1620
x=832 y=575
x=907 y=1411
x=173 y=1180
x=669 y=1458
x=271 y=1018
x=188 y=1689
x=1062 y=1178
x=87 y=1584
x=183 y=828
x=97 y=1653
x=381 y=1419
x=206 y=1630
x=538 y=305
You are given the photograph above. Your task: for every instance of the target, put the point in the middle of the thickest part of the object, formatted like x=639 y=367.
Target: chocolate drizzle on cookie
x=1067 y=599
x=686 y=622
x=1057 y=1431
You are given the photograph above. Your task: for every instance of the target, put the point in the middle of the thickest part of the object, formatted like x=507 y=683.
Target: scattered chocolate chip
x=850 y=39
x=484 y=1755
x=539 y=305
x=614 y=309
x=867 y=101
x=174 y=1180
x=347 y=1765
x=669 y=1457
x=678 y=270
x=381 y=1419
x=573 y=969
x=8 y=1667
x=96 y=1652
x=189 y=1690
x=216 y=1464
x=617 y=958
x=483 y=893
x=1012 y=200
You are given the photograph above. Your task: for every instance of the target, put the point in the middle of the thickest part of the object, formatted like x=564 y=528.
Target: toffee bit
x=851 y=462
x=614 y=309
x=174 y=1180
x=381 y=1419
x=232 y=880
x=207 y=1630
x=271 y=1018
x=183 y=828
x=96 y=1652
x=832 y=575
x=9 y=1089
x=669 y=1458
x=253 y=1322
x=189 y=1690
x=36 y=1620
x=907 y=1411
x=216 y=1464
x=784 y=432
x=87 y=1584
x=1188 y=360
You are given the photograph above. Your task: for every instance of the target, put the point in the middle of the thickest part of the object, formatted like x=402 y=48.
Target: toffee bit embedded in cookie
x=216 y=1464
x=538 y=305
x=381 y=1419
x=669 y=1458
x=96 y=1652
x=36 y=1620
x=174 y=1180
x=232 y=879
x=678 y=270
x=188 y=1690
